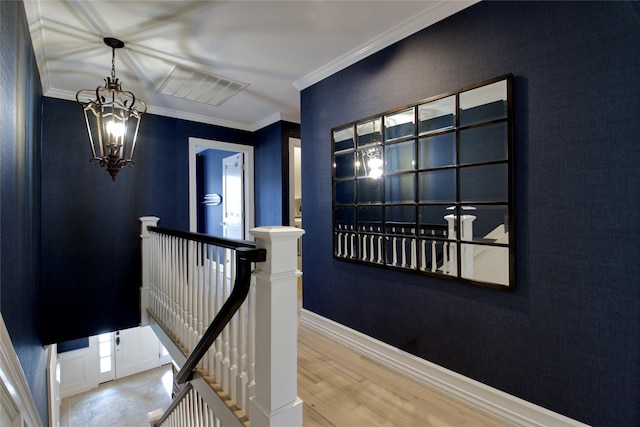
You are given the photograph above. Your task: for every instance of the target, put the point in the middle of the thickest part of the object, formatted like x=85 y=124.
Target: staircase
x=232 y=331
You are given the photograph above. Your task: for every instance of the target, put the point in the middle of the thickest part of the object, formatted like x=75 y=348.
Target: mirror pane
x=484 y=103
x=400 y=219
x=488 y=224
x=488 y=183
x=369 y=162
x=343 y=139
x=437 y=151
x=432 y=220
x=369 y=191
x=370 y=247
x=344 y=165
x=437 y=256
x=484 y=144
x=402 y=252
x=399 y=157
x=369 y=215
x=400 y=188
x=400 y=124
x=437 y=186
x=344 y=192
x=345 y=217
x=369 y=132
x=484 y=263
x=437 y=115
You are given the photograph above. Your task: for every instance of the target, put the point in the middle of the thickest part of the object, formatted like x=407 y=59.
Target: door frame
x=293 y=143
x=198 y=144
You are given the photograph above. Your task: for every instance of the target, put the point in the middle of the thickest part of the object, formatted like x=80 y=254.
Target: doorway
x=128 y=351
x=198 y=146
x=295 y=195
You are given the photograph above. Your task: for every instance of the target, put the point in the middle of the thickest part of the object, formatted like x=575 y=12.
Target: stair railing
x=246 y=353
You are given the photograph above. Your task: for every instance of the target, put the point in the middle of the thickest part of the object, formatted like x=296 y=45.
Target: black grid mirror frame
x=428 y=188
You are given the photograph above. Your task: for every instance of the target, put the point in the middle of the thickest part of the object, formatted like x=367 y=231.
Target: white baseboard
x=474 y=394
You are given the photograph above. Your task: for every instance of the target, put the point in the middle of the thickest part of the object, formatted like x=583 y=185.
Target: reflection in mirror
x=399 y=157
x=343 y=139
x=369 y=163
x=435 y=197
x=400 y=124
x=432 y=222
x=370 y=132
x=437 y=115
x=400 y=189
x=483 y=104
x=437 y=151
x=369 y=191
x=488 y=143
x=344 y=192
x=344 y=165
x=437 y=186
x=488 y=183
x=487 y=223
x=485 y=263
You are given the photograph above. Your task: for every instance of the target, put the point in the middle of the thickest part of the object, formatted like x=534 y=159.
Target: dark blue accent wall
x=272 y=172
x=20 y=101
x=90 y=227
x=568 y=337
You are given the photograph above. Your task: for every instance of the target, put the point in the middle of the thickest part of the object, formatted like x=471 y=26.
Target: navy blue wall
x=90 y=227
x=568 y=337
x=20 y=98
x=272 y=172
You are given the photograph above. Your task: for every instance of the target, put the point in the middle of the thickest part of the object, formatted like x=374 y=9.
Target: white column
x=467 y=250
x=146 y=221
x=275 y=402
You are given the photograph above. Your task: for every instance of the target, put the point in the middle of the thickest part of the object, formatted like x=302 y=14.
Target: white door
x=137 y=349
x=233 y=196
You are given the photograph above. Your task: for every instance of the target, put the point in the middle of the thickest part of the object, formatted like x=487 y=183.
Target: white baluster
x=414 y=255
x=251 y=342
x=363 y=245
x=233 y=338
x=220 y=253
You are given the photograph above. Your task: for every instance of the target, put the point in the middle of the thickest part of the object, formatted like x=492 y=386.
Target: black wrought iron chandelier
x=112 y=116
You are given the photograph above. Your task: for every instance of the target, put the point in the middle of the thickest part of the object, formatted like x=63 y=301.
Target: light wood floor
x=342 y=388
x=339 y=388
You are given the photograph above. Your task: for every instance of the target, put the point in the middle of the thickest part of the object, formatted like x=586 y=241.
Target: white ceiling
x=277 y=48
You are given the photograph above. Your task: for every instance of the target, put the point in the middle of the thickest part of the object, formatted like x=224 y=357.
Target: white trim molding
x=479 y=396
x=439 y=11
x=16 y=400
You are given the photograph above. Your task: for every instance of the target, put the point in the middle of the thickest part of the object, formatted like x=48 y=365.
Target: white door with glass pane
x=233 y=196
x=129 y=351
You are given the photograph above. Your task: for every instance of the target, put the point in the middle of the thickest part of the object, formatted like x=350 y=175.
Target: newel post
x=145 y=221
x=276 y=402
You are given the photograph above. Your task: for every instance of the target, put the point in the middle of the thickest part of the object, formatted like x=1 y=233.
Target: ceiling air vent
x=200 y=87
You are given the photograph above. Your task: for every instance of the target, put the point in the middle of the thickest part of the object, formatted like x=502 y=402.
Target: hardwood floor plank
x=341 y=388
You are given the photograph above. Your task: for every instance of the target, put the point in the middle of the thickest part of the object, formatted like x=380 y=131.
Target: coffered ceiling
x=239 y=64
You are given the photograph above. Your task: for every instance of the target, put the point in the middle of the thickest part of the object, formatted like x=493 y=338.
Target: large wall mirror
x=428 y=187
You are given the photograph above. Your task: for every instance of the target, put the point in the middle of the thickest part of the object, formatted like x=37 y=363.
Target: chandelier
x=112 y=116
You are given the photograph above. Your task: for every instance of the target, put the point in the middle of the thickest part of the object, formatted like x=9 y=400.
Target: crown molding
x=426 y=18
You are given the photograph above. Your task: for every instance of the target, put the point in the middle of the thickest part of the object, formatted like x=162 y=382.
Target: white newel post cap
x=280 y=241
x=146 y=222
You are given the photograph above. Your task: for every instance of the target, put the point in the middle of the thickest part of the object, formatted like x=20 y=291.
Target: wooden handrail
x=244 y=257
x=204 y=238
x=174 y=404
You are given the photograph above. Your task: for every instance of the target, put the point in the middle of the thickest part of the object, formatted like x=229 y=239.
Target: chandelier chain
x=113 y=64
